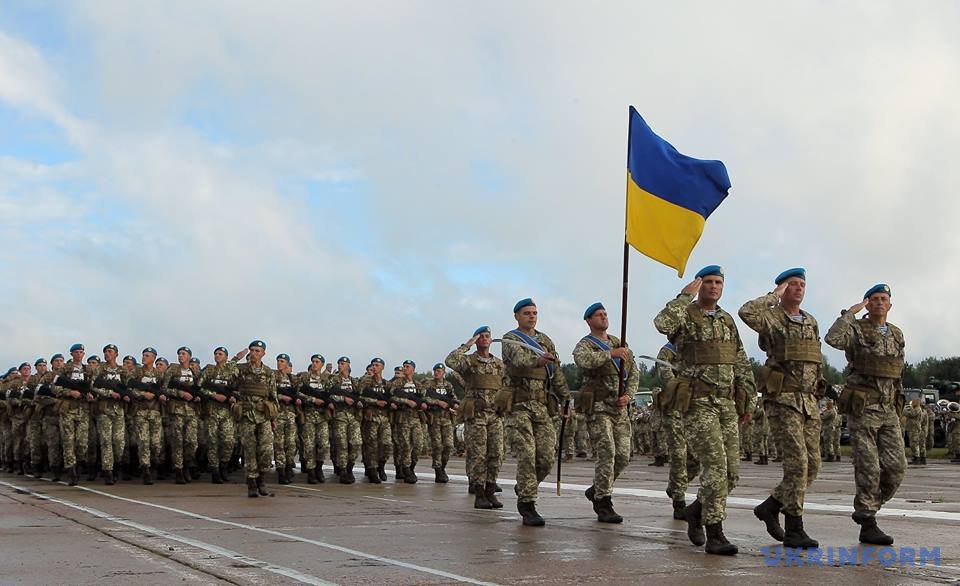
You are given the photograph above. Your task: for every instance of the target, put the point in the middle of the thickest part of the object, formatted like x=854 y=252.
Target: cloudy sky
x=379 y=178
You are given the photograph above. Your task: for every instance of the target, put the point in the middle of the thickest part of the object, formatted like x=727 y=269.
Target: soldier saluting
x=872 y=402
x=257 y=387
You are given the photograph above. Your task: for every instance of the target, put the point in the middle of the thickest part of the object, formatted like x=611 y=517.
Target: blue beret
x=794 y=272
x=440 y=366
x=343 y=359
x=93 y=358
x=150 y=350
x=130 y=358
x=481 y=330
x=377 y=361
x=220 y=349
x=110 y=347
x=55 y=356
x=39 y=362
x=410 y=362
x=185 y=349
x=257 y=344
x=396 y=368
x=592 y=309
x=12 y=370
x=283 y=356
x=194 y=360
x=318 y=357
x=163 y=360
x=523 y=303
x=709 y=270
x=22 y=364
x=76 y=347
x=878 y=288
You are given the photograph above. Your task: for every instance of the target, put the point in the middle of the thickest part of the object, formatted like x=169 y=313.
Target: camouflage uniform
x=533 y=391
x=346 y=427
x=870 y=402
x=178 y=380
x=915 y=432
x=683 y=464
x=641 y=425
x=111 y=424
x=316 y=429
x=17 y=408
x=45 y=430
x=609 y=424
x=74 y=413
x=375 y=426
x=285 y=425
x=758 y=440
x=407 y=425
x=658 y=437
x=483 y=425
x=221 y=417
x=715 y=367
x=440 y=420
x=828 y=425
x=928 y=430
x=147 y=414
x=257 y=387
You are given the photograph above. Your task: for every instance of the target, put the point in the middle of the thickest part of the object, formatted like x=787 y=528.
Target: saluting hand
x=469 y=343
x=693 y=287
x=855 y=309
x=781 y=289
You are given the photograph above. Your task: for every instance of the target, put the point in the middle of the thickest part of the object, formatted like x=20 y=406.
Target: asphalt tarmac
x=430 y=533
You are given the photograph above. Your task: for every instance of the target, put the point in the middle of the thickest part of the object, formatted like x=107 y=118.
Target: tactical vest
x=710 y=351
x=536 y=373
x=593 y=379
x=868 y=364
x=483 y=382
x=792 y=349
x=254 y=386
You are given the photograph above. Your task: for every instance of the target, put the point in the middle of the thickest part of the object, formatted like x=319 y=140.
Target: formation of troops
x=146 y=418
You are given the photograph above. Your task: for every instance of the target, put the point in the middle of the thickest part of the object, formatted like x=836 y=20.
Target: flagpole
x=626 y=262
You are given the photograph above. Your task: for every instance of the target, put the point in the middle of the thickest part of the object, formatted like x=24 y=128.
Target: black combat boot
x=748 y=457
x=124 y=471
x=194 y=473
x=717 y=543
x=372 y=476
x=382 y=472
x=38 y=472
x=589 y=493
x=282 y=475
x=762 y=460
x=411 y=477
x=480 y=500
x=350 y=472
x=531 y=518
x=252 y=488
x=319 y=472
x=178 y=476
x=93 y=471
x=603 y=507
x=779 y=458
x=694 y=523
x=923 y=460
x=656 y=461
x=496 y=487
x=146 y=475
x=836 y=458
x=769 y=512
x=439 y=477
x=215 y=476
x=471 y=488
x=915 y=460
x=108 y=478
x=311 y=476
x=57 y=471
x=18 y=467
x=74 y=475
x=343 y=477
x=401 y=475
x=290 y=474
x=224 y=472
x=869 y=532
x=794 y=535
x=262 y=487
x=491 y=494
x=678 y=510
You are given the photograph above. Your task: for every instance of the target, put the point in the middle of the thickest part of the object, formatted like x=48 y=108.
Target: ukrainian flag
x=669 y=196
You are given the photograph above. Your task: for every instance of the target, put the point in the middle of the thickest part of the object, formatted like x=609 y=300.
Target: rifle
x=403 y=394
x=336 y=389
x=288 y=390
x=220 y=387
x=154 y=387
x=376 y=393
x=317 y=393
x=181 y=386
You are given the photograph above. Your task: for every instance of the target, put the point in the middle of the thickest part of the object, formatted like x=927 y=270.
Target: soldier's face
x=110 y=355
x=77 y=355
x=438 y=373
x=219 y=356
x=317 y=364
x=58 y=363
x=344 y=368
x=162 y=366
x=183 y=357
x=711 y=288
x=41 y=368
x=527 y=317
x=796 y=288
x=599 y=320
x=148 y=358
x=408 y=369
x=281 y=364
x=256 y=354
x=485 y=340
x=25 y=370
x=878 y=304
x=377 y=368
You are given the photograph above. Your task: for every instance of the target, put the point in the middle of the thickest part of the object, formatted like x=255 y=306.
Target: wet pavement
x=429 y=533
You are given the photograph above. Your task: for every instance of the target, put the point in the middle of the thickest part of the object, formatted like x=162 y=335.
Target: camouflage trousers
x=800 y=438
x=6 y=441
x=346 y=433
x=18 y=434
x=509 y=436
x=130 y=422
x=918 y=441
x=713 y=435
x=316 y=437
x=761 y=440
x=409 y=438
x=441 y=438
x=878 y=457
x=221 y=436
x=536 y=442
x=424 y=446
x=836 y=440
x=256 y=437
x=610 y=436
x=183 y=438
x=112 y=433
x=51 y=439
x=828 y=432
x=658 y=442
x=35 y=439
x=746 y=438
x=285 y=437
x=683 y=464
x=74 y=430
x=483 y=439
x=640 y=439
x=377 y=438
x=149 y=436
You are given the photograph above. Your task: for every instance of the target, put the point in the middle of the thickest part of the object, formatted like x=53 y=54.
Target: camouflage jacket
x=860 y=338
x=469 y=365
x=79 y=373
x=522 y=358
x=104 y=372
x=440 y=388
x=599 y=370
x=377 y=386
x=667 y=354
x=217 y=375
x=674 y=321
x=765 y=316
x=316 y=381
x=42 y=392
x=146 y=376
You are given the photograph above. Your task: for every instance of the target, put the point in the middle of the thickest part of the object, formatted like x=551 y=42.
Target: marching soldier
x=316 y=430
x=872 y=402
x=375 y=427
x=109 y=385
x=533 y=387
x=180 y=384
x=72 y=387
x=603 y=398
x=792 y=383
x=346 y=429
x=483 y=425
x=146 y=390
x=257 y=386
x=683 y=465
x=714 y=389
x=46 y=433
x=18 y=407
x=828 y=423
x=438 y=394
x=405 y=392
x=285 y=425
x=915 y=415
x=218 y=384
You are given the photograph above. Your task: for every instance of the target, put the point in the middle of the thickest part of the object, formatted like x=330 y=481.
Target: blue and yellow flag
x=669 y=196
